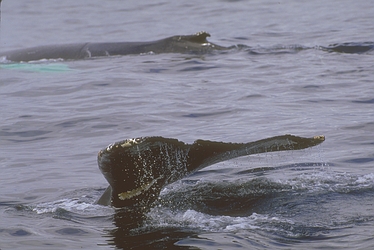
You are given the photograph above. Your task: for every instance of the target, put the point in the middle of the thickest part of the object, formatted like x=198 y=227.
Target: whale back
x=65 y=51
x=196 y=43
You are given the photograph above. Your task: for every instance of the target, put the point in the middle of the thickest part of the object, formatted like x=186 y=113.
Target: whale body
x=138 y=169
x=196 y=43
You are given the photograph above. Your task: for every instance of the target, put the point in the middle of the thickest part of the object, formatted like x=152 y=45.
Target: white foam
x=162 y=217
x=73 y=205
x=365 y=180
x=3 y=59
x=330 y=181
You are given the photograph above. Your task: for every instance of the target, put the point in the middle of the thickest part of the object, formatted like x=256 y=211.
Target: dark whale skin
x=196 y=43
x=138 y=169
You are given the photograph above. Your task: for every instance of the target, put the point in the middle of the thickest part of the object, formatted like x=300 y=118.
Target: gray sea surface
x=277 y=79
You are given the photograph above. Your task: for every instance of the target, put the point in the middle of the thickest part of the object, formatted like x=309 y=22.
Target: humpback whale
x=196 y=43
x=193 y=44
x=138 y=169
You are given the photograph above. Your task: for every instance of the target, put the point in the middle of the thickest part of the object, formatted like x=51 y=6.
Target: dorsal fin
x=199 y=37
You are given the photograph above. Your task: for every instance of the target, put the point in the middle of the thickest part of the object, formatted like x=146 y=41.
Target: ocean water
x=278 y=79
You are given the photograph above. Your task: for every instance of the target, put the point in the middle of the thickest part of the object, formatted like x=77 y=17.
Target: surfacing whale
x=196 y=43
x=138 y=169
x=193 y=44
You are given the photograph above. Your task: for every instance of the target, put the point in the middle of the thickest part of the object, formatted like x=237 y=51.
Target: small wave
x=160 y=217
x=277 y=49
x=73 y=205
x=346 y=48
x=350 y=48
x=263 y=195
x=332 y=182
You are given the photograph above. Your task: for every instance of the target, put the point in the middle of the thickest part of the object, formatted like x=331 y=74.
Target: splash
x=72 y=205
x=161 y=217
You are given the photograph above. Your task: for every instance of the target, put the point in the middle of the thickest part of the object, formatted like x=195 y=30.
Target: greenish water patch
x=40 y=67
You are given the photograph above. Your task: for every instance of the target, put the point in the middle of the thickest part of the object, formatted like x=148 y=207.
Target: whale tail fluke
x=206 y=153
x=138 y=169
